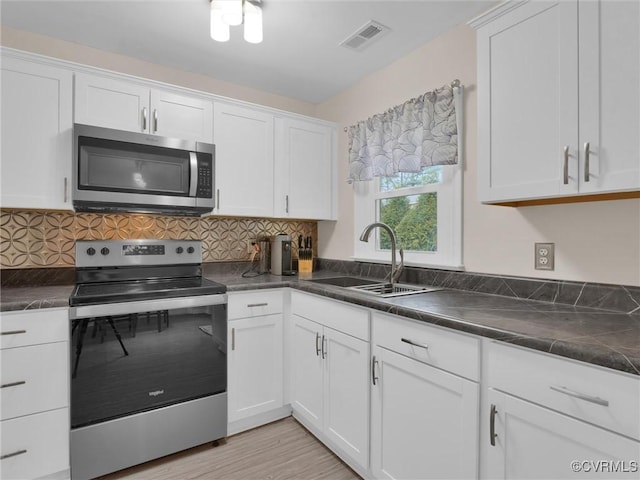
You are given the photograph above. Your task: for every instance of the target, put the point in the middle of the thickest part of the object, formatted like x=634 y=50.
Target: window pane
x=427 y=176
x=414 y=218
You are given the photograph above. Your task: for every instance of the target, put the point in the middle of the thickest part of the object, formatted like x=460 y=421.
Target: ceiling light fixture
x=226 y=13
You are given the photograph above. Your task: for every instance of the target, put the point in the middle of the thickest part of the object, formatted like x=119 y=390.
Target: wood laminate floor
x=282 y=450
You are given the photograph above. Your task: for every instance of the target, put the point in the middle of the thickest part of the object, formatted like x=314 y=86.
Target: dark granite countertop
x=591 y=335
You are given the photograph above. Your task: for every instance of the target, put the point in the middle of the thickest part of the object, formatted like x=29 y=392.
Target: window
x=423 y=208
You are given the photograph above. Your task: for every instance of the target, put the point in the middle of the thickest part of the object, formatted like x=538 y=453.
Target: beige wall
x=595 y=242
x=73 y=52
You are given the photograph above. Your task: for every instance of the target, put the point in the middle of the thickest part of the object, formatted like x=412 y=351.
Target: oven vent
x=365 y=36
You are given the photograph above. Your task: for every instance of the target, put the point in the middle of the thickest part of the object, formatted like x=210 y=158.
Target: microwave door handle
x=193 y=182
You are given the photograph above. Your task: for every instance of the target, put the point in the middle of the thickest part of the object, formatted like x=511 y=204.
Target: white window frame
x=449 y=207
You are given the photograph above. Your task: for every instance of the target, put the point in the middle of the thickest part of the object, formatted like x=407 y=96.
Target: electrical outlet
x=544 y=256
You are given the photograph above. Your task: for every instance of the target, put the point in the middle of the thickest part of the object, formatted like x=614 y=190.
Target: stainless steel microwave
x=118 y=171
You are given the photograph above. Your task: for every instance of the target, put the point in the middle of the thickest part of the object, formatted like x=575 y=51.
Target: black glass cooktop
x=128 y=291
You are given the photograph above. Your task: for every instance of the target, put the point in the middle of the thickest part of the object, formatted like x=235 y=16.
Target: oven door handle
x=125 y=308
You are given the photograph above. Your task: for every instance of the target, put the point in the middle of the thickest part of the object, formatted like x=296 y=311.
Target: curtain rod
x=454 y=84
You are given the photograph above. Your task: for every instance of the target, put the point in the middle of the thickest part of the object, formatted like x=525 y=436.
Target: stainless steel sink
x=344 y=281
x=387 y=290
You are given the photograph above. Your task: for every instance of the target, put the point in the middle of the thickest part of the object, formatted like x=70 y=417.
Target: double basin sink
x=372 y=287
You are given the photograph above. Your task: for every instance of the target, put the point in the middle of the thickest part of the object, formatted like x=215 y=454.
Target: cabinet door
x=36 y=135
x=180 y=116
x=306 y=370
x=110 y=103
x=537 y=443
x=346 y=394
x=610 y=95
x=244 y=161
x=304 y=176
x=424 y=421
x=528 y=102
x=255 y=380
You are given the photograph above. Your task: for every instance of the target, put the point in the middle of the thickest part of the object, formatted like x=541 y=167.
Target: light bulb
x=232 y=11
x=252 y=22
x=219 y=29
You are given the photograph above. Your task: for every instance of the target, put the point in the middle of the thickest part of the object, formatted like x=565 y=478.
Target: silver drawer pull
x=581 y=396
x=415 y=344
x=13 y=332
x=14 y=454
x=12 y=384
x=565 y=168
x=257 y=304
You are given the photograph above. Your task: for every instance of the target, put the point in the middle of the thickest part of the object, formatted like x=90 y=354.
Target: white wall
x=595 y=242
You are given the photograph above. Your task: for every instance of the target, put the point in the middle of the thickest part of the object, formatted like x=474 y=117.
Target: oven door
x=132 y=357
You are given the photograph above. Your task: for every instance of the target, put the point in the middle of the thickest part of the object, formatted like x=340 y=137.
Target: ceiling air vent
x=365 y=36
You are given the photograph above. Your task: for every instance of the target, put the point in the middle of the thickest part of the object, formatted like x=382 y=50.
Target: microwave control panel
x=205 y=178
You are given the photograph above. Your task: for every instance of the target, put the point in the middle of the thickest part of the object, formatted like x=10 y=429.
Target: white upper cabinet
x=244 y=161
x=36 y=135
x=124 y=105
x=304 y=170
x=554 y=76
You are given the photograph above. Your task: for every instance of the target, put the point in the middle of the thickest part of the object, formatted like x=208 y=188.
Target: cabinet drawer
x=35 y=445
x=593 y=394
x=340 y=316
x=255 y=303
x=34 y=379
x=454 y=352
x=31 y=327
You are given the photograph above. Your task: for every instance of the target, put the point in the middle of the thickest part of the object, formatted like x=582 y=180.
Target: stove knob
x=104 y=251
x=91 y=251
x=179 y=250
x=190 y=250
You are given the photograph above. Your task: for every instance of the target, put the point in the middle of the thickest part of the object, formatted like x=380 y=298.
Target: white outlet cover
x=544 y=256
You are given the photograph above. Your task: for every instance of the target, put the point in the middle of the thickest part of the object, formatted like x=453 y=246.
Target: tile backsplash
x=32 y=239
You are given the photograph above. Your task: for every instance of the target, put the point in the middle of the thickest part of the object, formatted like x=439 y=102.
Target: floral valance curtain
x=421 y=132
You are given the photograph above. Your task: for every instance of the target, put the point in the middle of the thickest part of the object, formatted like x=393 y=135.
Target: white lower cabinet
x=255 y=385
x=424 y=418
x=34 y=398
x=329 y=374
x=545 y=417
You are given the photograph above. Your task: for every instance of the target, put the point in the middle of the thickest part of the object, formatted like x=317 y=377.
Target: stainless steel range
x=148 y=354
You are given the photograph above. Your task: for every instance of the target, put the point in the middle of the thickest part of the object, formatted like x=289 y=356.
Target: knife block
x=305 y=265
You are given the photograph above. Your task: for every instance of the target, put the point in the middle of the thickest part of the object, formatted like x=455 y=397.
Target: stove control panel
x=113 y=253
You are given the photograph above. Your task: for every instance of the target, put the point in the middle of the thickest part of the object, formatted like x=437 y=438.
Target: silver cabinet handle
x=324 y=344
x=218 y=199
x=144 y=119
x=13 y=384
x=233 y=339
x=66 y=189
x=14 y=454
x=374 y=377
x=13 y=332
x=155 y=120
x=317 y=347
x=565 y=174
x=257 y=304
x=492 y=425
x=415 y=344
x=586 y=161
x=581 y=396
x=286 y=204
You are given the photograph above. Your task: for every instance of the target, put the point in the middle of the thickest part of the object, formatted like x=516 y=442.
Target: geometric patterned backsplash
x=31 y=238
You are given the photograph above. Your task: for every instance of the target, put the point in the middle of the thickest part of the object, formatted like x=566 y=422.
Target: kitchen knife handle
x=144 y=118
x=492 y=425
